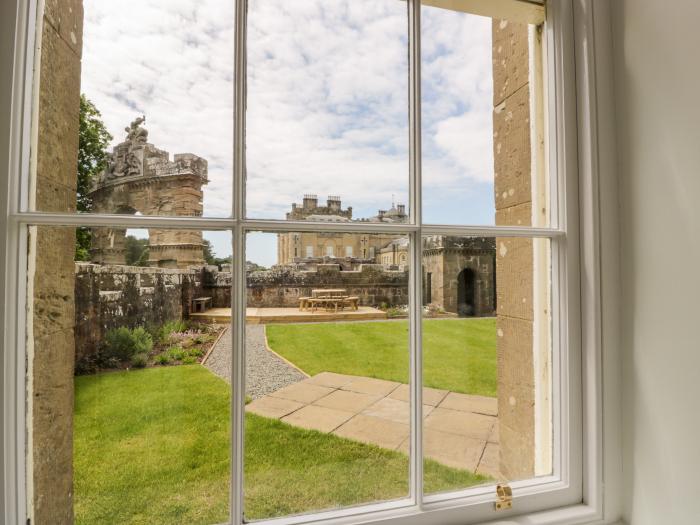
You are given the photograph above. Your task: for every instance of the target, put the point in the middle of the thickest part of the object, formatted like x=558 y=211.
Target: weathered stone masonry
x=112 y=296
x=51 y=344
x=372 y=283
x=514 y=256
x=141 y=178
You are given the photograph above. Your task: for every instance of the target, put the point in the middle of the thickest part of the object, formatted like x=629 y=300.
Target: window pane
x=482 y=120
x=147 y=114
x=126 y=414
x=327 y=104
x=327 y=370
x=486 y=359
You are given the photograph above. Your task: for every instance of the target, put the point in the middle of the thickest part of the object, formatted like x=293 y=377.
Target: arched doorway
x=466 y=291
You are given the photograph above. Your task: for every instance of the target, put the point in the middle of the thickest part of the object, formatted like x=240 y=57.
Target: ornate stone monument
x=141 y=179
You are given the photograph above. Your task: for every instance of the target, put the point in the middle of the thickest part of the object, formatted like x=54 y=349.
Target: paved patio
x=460 y=430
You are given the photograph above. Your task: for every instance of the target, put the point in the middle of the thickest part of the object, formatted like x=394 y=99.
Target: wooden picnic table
x=330 y=298
x=328 y=292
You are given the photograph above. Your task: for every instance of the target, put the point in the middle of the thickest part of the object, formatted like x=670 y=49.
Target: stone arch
x=141 y=178
x=466 y=293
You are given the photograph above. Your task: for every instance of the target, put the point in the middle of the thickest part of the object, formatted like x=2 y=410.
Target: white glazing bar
x=223 y=223
x=126 y=221
x=239 y=108
x=415 y=269
x=311 y=226
x=491 y=231
x=238 y=295
x=14 y=389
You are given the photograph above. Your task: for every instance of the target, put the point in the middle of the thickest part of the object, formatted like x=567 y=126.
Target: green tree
x=210 y=257
x=93 y=139
x=136 y=251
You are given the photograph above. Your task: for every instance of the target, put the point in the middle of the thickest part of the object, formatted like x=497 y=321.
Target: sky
x=327 y=107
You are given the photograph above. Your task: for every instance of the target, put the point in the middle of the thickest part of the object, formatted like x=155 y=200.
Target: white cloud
x=457 y=106
x=327 y=94
x=174 y=62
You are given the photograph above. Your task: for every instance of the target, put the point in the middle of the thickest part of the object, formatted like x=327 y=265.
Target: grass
x=152 y=446
x=458 y=354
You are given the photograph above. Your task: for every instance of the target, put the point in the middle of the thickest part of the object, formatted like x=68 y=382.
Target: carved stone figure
x=140 y=178
x=135 y=133
x=133 y=166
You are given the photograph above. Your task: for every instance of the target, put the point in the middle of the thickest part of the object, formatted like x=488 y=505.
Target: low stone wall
x=282 y=285
x=371 y=283
x=111 y=296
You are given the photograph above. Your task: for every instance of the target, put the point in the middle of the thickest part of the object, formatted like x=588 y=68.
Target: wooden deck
x=290 y=315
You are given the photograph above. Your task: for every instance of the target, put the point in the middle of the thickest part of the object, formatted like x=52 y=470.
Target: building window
x=406 y=427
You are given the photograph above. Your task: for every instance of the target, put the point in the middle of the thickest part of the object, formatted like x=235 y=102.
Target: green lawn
x=458 y=354
x=152 y=446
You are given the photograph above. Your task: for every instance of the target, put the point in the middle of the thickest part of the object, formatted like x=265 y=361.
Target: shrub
x=189 y=360
x=121 y=344
x=203 y=339
x=195 y=352
x=175 y=353
x=139 y=360
x=186 y=342
x=163 y=359
x=163 y=332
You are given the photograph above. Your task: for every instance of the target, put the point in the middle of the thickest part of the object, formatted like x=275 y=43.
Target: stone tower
x=141 y=179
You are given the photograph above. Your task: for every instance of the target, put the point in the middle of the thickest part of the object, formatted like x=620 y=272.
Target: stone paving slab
x=466 y=424
x=302 y=392
x=370 y=385
x=459 y=430
x=431 y=396
x=489 y=463
x=393 y=410
x=318 y=418
x=273 y=407
x=468 y=403
x=375 y=431
x=345 y=400
x=330 y=379
x=452 y=450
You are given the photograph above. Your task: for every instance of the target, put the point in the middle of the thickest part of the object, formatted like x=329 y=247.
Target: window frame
x=576 y=490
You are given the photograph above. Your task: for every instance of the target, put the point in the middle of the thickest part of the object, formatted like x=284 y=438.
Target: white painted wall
x=657 y=88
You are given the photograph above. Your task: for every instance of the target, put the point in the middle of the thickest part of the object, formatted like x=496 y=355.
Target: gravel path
x=265 y=372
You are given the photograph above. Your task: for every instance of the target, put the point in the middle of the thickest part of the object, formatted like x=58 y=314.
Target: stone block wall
x=282 y=286
x=50 y=342
x=514 y=256
x=445 y=263
x=112 y=296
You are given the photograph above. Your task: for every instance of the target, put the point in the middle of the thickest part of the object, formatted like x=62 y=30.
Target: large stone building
x=141 y=179
x=459 y=274
x=310 y=247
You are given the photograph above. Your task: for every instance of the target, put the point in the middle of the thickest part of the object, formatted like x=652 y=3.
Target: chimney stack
x=310 y=202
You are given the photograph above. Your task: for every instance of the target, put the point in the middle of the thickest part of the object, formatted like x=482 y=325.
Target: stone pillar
x=51 y=346
x=175 y=248
x=108 y=246
x=514 y=257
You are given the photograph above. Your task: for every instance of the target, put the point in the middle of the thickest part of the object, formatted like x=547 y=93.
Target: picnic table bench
x=332 y=299
x=200 y=304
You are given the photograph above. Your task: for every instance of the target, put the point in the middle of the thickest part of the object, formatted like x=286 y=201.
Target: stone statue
x=108 y=173
x=135 y=133
x=133 y=166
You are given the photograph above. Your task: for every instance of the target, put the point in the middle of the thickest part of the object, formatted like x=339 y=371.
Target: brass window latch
x=504 y=495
